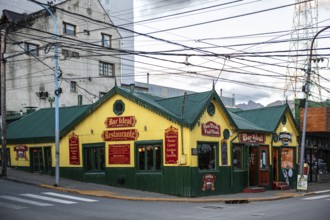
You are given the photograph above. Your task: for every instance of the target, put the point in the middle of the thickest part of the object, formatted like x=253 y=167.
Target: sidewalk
x=105 y=191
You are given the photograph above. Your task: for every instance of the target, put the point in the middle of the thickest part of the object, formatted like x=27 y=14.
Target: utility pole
x=3 y=35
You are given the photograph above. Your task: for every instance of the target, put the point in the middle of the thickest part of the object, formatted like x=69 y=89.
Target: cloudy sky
x=241 y=46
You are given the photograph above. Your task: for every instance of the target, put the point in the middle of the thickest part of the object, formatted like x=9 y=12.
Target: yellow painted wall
x=22 y=162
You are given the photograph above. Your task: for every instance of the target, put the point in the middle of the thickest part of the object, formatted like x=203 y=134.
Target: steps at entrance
x=254 y=189
x=280 y=186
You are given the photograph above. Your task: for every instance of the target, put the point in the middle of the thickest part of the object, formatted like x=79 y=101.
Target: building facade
x=89 y=63
x=189 y=145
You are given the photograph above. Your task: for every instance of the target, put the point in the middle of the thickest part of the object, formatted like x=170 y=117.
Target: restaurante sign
x=120 y=135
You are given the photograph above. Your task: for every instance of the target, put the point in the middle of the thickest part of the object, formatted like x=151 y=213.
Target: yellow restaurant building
x=190 y=145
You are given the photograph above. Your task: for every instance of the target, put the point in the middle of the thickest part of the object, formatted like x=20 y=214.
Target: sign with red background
x=120 y=135
x=119 y=154
x=252 y=138
x=210 y=129
x=171 y=145
x=74 y=155
x=120 y=122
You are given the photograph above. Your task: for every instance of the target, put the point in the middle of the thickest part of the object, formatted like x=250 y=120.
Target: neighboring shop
x=187 y=146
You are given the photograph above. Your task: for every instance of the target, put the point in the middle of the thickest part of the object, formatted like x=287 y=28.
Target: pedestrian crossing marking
x=11 y=206
x=69 y=197
x=16 y=199
x=316 y=197
x=323 y=191
x=48 y=199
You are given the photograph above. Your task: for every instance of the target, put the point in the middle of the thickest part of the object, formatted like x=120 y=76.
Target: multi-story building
x=89 y=61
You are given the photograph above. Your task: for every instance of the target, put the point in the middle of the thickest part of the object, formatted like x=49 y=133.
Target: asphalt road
x=21 y=201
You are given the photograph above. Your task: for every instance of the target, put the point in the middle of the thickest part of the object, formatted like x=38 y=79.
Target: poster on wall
x=74 y=155
x=119 y=154
x=21 y=152
x=224 y=153
x=171 y=145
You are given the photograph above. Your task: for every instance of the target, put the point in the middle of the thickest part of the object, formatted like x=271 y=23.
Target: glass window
x=149 y=158
x=207 y=156
x=106 y=40
x=73 y=86
x=263 y=159
x=94 y=158
x=32 y=49
x=238 y=157
x=287 y=158
x=69 y=29
x=106 y=69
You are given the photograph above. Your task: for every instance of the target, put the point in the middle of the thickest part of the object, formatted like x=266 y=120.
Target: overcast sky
x=247 y=76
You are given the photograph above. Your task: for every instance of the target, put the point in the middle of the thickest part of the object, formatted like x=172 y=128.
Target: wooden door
x=253 y=166
x=264 y=166
x=37 y=162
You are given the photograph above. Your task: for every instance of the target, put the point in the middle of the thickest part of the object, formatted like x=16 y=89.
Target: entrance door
x=264 y=166
x=48 y=160
x=275 y=165
x=37 y=162
x=253 y=166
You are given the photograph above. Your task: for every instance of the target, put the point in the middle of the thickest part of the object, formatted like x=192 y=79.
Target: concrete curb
x=113 y=195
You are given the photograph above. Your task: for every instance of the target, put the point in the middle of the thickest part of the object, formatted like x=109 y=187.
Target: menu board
x=171 y=145
x=74 y=155
x=119 y=154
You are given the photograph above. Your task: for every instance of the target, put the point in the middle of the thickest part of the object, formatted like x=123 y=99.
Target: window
x=207 y=159
x=287 y=158
x=238 y=157
x=69 y=29
x=263 y=159
x=73 y=86
x=94 y=158
x=149 y=157
x=106 y=69
x=69 y=54
x=106 y=40
x=32 y=49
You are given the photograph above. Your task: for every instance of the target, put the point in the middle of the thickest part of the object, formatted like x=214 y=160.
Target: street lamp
x=309 y=71
x=57 y=93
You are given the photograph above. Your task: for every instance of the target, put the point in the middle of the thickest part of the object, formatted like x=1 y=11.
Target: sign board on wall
x=210 y=129
x=171 y=145
x=21 y=152
x=120 y=122
x=119 y=154
x=74 y=155
x=120 y=135
x=253 y=138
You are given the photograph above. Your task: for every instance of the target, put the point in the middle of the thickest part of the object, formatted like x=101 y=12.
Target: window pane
x=31 y=49
x=237 y=157
x=263 y=160
x=69 y=29
x=150 y=159
x=206 y=156
x=158 y=157
x=141 y=158
x=88 y=159
x=106 y=40
x=102 y=159
x=287 y=158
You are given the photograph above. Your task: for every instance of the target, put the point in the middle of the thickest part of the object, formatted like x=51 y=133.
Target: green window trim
x=208 y=163
x=149 y=157
x=241 y=161
x=94 y=158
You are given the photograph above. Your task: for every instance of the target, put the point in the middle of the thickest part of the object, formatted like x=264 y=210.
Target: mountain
x=249 y=105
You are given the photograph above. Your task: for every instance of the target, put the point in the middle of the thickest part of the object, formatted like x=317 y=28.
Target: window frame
x=243 y=162
x=73 y=86
x=155 y=158
x=215 y=161
x=104 y=71
x=103 y=40
x=31 y=52
x=66 y=30
x=283 y=162
x=96 y=167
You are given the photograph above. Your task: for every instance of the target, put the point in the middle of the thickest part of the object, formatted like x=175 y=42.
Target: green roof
x=39 y=126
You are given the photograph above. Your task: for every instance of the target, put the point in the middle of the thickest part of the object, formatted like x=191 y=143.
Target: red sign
x=171 y=145
x=21 y=152
x=211 y=129
x=252 y=138
x=119 y=154
x=120 y=122
x=74 y=155
x=208 y=182
x=120 y=135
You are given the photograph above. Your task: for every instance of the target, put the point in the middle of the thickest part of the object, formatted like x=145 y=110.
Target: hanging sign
x=253 y=138
x=119 y=154
x=120 y=122
x=171 y=145
x=21 y=152
x=210 y=129
x=285 y=137
x=74 y=155
x=120 y=135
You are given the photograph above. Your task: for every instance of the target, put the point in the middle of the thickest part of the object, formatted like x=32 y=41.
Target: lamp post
x=57 y=93
x=309 y=71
